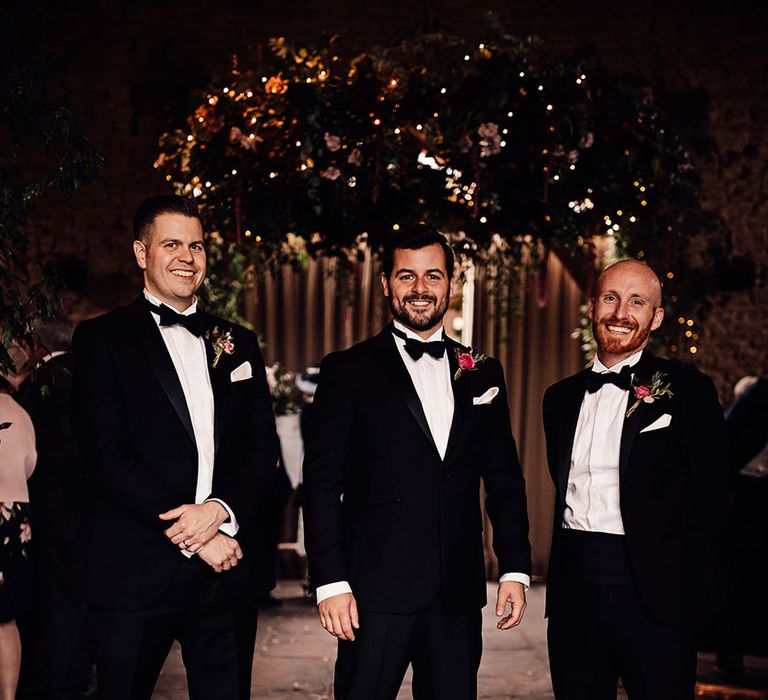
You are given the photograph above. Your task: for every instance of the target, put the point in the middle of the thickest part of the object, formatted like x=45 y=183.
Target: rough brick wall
x=130 y=66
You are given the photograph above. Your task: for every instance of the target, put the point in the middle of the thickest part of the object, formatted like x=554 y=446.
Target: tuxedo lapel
x=461 y=396
x=643 y=370
x=571 y=407
x=220 y=384
x=401 y=380
x=160 y=362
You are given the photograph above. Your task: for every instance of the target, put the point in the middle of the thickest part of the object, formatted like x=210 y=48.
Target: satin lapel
x=570 y=409
x=220 y=384
x=461 y=397
x=643 y=369
x=401 y=380
x=160 y=362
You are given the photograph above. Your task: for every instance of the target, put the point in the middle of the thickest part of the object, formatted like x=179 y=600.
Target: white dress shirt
x=592 y=501
x=191 y=363
x=431 y=377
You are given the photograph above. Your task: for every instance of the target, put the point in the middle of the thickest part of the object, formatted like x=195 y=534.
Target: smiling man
x=404 y=426
x=636 y=451
x=174 y=418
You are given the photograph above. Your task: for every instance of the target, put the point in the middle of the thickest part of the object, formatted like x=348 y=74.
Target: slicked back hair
x=419 y=236
x=150 y=209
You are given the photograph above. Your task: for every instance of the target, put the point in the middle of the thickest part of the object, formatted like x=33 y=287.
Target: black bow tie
x=417 y=348
x=597 y=380
x=195 y=323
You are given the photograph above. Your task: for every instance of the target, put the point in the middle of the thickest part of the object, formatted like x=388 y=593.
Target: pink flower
x=25 y=533
x=332 y=142
x=354 y=157
x=331 y=173
x=466 y=361
x=642 y=391
x=488 y=130
x=490 y=140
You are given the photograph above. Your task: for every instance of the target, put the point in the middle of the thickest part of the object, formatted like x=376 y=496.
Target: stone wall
x=129 y=68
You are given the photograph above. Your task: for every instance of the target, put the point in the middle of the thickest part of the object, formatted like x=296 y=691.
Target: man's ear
x=658 y=317
x=591 y=310
x=384 y=284
x=140 y=251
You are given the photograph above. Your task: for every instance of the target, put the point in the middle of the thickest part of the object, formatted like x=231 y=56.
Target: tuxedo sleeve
x=246 y=482
x=505 y=485
x=327 y=448
x=704 y=444
x=102 y=432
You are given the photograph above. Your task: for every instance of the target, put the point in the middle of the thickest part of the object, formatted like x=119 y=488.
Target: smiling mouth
x=182 y=273
x=623 y=330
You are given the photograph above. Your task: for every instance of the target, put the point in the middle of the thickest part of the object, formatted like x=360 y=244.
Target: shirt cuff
x=332 y=589
x=230 y=527
x=525 y=579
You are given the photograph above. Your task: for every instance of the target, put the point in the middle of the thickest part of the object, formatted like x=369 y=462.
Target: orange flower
x=276 y=85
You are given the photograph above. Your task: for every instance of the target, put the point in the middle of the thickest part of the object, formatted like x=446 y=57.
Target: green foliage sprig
x=44 y=151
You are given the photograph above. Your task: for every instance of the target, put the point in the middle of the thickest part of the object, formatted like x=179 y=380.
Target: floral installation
x=468 y=360
x=648 y=392
x=487 y=141
x=222 y=343
x=286 y=398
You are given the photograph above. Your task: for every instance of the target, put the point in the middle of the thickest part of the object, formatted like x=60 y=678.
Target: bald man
x=635 y=447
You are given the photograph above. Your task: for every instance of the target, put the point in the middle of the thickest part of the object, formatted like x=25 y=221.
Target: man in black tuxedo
x=636 y=451
x=63 y=661
x=404 y=426
x=174 y=419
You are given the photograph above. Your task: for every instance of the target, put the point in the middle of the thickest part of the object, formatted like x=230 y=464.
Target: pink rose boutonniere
x=222 y=343
x=648 y=392
x=467 y=361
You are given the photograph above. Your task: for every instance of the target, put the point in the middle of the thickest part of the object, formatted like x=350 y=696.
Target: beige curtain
x=304 y=315
x=536 y=349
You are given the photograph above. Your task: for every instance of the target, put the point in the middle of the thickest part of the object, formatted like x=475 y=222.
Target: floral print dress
x=15 y=530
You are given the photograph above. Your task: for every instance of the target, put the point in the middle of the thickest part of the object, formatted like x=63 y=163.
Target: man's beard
x=619 y=345
x=416 y=321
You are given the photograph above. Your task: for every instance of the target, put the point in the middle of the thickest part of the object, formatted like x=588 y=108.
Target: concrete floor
x=295 y=656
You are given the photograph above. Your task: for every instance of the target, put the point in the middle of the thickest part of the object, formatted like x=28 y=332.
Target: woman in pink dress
x=17 y=461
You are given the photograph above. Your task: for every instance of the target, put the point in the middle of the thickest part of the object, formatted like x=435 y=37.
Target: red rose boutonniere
x=467 y=361
x=222 y=343
x=648 y=392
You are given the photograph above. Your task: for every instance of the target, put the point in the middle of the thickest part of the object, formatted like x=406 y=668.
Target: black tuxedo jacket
x=673 y=488
x=382 y=509
x=135 y=432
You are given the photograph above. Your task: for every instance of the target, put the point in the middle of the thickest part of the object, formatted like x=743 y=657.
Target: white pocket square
x=241 y=372
x=660 y=422
x=487 y=397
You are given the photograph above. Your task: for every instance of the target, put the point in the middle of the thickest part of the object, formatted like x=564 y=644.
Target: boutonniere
x=467 y=361
x=222 y=343
x=648 y=392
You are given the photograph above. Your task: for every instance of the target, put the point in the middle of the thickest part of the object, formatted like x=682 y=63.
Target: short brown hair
x=151 y=208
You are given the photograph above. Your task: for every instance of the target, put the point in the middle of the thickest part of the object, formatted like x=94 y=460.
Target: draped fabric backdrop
x=304 y=315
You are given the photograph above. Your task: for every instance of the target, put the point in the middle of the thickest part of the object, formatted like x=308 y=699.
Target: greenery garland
x=310 y=152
